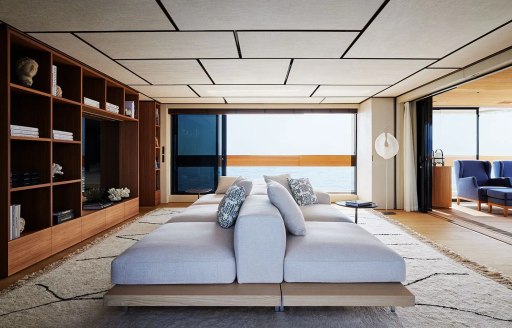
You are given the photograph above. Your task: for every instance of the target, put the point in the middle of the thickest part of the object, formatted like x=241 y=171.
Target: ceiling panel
x=353 y=71
x=343 y=100
x=294 y=44
x=71 y=45
x=196 y=100
x=144 y=97
x=247 y=71
x=348 y=90
x=278 y=100
x=90 y=15
x=271 y=14
x=168 y=71
x=254 y=90
x=149 y=45
x=428 y=29
x=165 y=90
x=482 y=48
x=415 y=81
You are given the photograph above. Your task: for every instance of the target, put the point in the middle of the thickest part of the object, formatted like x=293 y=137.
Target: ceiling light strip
x=166 y=13
x=366 y=26
x=288 y=72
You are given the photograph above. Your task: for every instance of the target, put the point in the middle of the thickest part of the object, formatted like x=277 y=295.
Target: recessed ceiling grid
x=323 y=51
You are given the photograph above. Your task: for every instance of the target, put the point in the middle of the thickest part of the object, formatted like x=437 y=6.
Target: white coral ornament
x=116 y=195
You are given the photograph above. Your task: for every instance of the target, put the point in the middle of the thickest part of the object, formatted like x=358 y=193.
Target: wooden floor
x=477 y=243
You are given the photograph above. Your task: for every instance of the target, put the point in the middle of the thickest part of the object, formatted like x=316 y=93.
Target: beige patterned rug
x=69 y=294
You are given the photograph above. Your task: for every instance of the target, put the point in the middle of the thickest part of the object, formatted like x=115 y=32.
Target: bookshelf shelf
x=37 y=110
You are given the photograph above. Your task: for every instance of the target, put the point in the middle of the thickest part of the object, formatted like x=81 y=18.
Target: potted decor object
x=26 y=69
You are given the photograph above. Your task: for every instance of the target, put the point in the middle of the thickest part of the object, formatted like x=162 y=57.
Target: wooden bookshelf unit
x=36 y=106
x=150 y=154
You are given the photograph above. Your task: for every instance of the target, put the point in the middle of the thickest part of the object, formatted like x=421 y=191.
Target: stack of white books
x=112 y=108
x=91 y=102
x=62 y=135
x=24 y=131
x=14 y=221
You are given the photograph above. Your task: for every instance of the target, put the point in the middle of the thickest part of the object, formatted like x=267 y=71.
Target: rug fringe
x=479 y=268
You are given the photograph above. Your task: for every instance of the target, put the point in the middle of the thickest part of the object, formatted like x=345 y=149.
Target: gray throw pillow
x=290 y=211
x=224 y=183
x=229 y=206
x=302 y=191
x=247 y=184
x=282 y=179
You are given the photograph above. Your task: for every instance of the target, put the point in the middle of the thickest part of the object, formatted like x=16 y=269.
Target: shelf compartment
x=103 y=114
x=115 y=96
x=69 y=78
x=94 y=87
x=67 y=117
x=23 y=47
x=135 y=98
x=35 y=208
x=31 y=156
x=67 y=197
x=31 y=110
x=30 y=187
x=68 y=156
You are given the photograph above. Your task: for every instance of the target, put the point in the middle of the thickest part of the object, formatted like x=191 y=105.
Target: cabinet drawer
x=66 y=234
x=28 y=250
x=93 y=223
x=115 y=214
x=131 y=208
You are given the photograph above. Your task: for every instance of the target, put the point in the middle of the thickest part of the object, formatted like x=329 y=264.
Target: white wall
x=374 y=117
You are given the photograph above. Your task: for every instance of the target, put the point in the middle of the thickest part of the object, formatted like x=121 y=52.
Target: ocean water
x=329 y=179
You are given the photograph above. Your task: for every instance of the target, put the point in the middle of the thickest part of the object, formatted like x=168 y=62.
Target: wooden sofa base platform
x=274 y=295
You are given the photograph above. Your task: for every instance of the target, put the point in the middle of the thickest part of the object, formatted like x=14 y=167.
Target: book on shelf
x=157 y=116
x=96 y=205
x=54 y=80
x=62 y=135
x=91 y=102
x=63 y=216
x=24 y=131
x=14 y=221
x=112 y=108
x=129 y=106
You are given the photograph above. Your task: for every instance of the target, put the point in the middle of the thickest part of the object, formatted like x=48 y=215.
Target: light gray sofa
x=193 y=249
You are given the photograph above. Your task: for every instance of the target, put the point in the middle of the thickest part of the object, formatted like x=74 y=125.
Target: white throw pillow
x=282 y=179
x=225 y=183
x=229 y=206
x=302 y=191
x=290 y=211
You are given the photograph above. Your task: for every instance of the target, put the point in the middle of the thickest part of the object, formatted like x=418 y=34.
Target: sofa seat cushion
x=340 y=253
x=483 y=191
x=503 y=193
x=179 y=253
x=209 y=199
x=197 y=213
x=323 y=213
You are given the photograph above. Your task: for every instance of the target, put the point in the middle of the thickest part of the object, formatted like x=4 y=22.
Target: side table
x=356 y=206
x=198 y=191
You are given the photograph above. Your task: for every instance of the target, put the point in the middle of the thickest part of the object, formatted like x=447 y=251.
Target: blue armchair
x=473 y=179
x=502 y=169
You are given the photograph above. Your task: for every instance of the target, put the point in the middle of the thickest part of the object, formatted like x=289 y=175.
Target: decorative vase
x=58 y=92
x=22 y=225
x=26 y=69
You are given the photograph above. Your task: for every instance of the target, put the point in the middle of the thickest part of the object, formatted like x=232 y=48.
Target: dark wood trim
x=424 y=153
x=5 y=148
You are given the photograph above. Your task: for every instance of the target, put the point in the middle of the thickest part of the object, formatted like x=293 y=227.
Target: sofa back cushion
x=225 y=182
x=247 y=184
x=290 y=211
x=282 y=179
x=481 y=170
x=229 y=206
x=302 y=191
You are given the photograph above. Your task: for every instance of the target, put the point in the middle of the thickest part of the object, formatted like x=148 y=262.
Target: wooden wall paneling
x=93 y=223
x=24 y=252
x=66 y=235
x=147 y=152
x=109 y=154
x=129 y=156
x=4 y=149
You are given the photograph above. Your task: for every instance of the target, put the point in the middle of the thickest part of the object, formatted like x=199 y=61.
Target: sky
x=290 y=134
